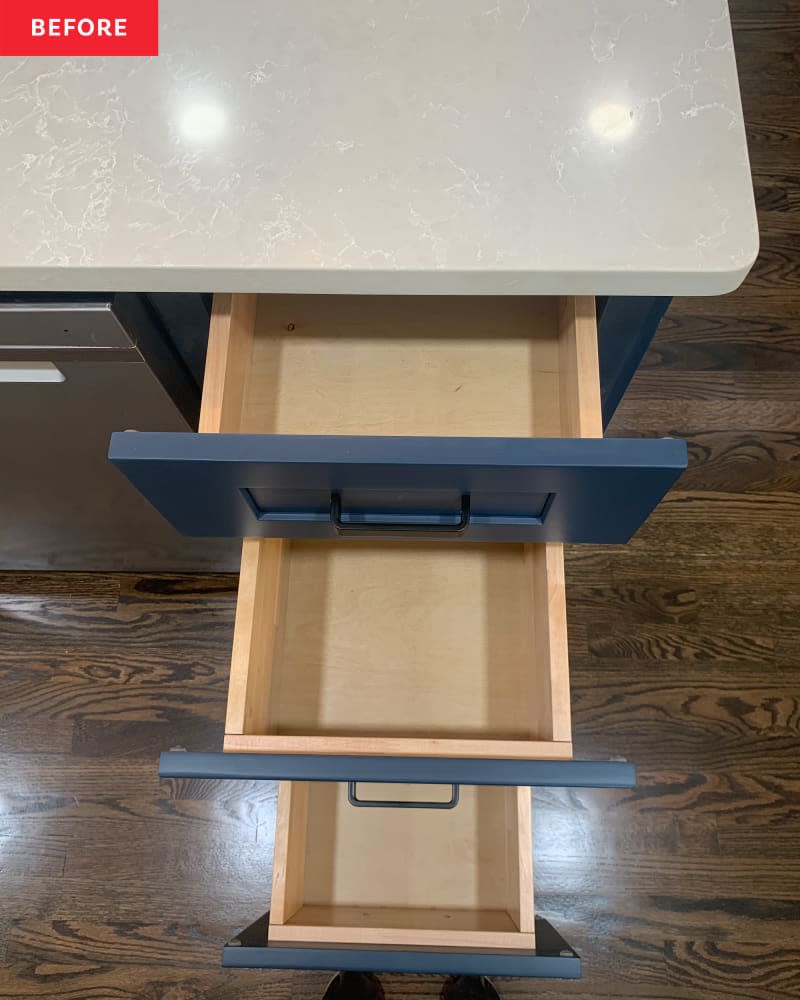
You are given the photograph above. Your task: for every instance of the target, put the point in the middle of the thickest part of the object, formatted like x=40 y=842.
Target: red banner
x=78 y=27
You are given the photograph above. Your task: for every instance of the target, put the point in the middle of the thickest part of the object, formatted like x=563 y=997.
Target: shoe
x=354 y=986
x=468 y=988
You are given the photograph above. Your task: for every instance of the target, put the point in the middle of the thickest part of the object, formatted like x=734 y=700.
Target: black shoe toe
x=468 y=988
x=354 y=986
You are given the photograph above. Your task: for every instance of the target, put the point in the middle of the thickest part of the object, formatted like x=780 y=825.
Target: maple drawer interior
x=408 y=878
x=401 y=647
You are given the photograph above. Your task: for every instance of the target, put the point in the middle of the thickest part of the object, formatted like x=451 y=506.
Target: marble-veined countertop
x=398 y=146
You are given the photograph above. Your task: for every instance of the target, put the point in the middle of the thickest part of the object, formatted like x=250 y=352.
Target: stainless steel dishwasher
x=72 y=370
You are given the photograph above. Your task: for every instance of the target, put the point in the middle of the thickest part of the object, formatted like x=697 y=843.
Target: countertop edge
x=354 y=282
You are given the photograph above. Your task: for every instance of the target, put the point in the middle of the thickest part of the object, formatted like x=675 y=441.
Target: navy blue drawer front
x=411 y=770
x=553 y=958
x=473 y=489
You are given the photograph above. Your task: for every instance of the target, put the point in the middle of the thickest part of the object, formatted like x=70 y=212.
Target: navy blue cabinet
x=370 y=666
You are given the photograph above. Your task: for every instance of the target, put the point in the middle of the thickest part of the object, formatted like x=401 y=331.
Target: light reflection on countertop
x=613 y=122
x=202 y=122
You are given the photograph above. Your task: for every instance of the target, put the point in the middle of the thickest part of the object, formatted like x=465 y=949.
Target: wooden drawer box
x=412 y=878
x=400 y=649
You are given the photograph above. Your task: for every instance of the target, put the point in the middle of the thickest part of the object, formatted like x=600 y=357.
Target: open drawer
x=439 y=878
x=459 y=419
x=407 y=889
x=400 y=649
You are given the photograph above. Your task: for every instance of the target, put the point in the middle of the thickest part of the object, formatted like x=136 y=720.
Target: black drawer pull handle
x=433 y=525
x=354 y=800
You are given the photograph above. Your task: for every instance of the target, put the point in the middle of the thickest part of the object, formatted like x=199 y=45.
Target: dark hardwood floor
x=685 y=651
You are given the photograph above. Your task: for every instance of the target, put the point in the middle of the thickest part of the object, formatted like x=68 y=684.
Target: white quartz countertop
x=386 y=146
